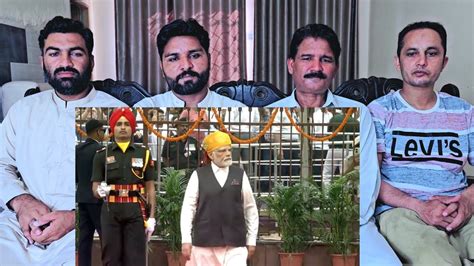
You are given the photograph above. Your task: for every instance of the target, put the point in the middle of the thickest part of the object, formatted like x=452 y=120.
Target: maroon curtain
x=138 y=24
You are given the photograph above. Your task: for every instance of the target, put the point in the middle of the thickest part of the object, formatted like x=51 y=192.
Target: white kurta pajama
x=39 y=142
x=217 y=256
x=374 y=249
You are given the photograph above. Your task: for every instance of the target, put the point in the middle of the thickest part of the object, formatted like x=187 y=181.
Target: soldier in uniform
x=182 y=154
x=89 y=206
x=219 y=209
x=123 y=176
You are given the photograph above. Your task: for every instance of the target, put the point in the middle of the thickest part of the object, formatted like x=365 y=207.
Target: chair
x=250 y=93
x=365 y=90
x=128 y=92
x=12 y=91
x=451 y=89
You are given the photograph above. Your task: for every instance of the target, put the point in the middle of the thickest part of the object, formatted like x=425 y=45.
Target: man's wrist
x=469 y=195
x=415 y=205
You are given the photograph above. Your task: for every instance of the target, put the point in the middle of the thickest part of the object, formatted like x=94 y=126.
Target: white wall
x=379 y=31
x=102 y=24
x=32 y=12
x=31 y=15
x=380 y=21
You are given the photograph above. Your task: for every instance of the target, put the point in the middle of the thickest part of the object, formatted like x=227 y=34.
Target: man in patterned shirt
x=424 y=139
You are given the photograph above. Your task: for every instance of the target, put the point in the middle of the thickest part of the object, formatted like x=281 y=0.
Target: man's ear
x=91 y=58
x=289 y=63
x=396 y=62
x=162 y=69
x=445 y=62
x=41 y=59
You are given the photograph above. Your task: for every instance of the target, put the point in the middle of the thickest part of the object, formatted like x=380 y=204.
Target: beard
x=189 y=87
x=69 y=86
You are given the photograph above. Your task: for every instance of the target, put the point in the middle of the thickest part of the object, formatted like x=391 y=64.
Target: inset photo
x=158 y=184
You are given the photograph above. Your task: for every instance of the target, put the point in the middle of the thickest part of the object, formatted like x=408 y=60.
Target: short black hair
x=422 y=25
x=60 y=24
x=315 y=31
x=181 y=27
x=92 y=125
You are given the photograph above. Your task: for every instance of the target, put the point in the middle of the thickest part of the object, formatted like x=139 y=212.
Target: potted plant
x=337 y=217
x=292 y=208
x=168 y=213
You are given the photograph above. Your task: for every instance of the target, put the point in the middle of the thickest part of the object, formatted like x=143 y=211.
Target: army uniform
x=89 y=206
x=181 y=154
x=122 y=216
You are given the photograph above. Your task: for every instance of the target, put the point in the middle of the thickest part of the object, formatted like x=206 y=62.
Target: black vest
x=219 y=219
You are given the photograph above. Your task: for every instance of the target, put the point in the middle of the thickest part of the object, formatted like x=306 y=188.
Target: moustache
x=66 y=69
x=421 y=71
x=187 y=72
x=318 y=74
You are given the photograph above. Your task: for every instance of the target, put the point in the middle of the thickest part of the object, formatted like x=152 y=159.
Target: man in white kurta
x=185 y=61
x=313 y=62
x=237 y=237
x=39 y=134
x=39 y=145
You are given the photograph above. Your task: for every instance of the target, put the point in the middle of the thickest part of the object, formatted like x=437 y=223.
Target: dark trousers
x=89 y=221
x=123 y=235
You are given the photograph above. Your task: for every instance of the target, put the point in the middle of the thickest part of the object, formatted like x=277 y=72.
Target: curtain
x=138 y=24
x=275 y=22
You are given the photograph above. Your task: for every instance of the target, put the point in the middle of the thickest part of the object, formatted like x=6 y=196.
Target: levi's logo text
x=426 y=146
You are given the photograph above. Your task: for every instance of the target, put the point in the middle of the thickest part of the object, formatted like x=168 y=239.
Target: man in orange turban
x=123 y=175
x=219 y=208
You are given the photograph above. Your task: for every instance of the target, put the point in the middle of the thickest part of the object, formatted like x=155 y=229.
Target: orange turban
x=125 y=112
x=215 y=140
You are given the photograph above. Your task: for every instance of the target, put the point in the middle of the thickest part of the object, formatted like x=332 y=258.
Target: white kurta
x=39 y=142
x=374 y=249
x=169 y=99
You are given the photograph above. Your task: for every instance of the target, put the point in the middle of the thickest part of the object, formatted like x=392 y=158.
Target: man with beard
x=424 y=140
x=185 y=61
x=313 y=61
x=37 y=225
x=219 y=209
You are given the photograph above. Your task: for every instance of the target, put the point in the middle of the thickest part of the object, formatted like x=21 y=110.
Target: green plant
x=169 y=207
x=292 y=207
x=338 y=213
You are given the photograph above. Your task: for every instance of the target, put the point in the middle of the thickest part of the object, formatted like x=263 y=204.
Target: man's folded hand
x=58 y=224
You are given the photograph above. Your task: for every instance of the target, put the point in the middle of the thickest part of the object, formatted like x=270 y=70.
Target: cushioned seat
x=128 y=92
x=365 y=90
x=250 y=93
x=12 y=91
x=451 y=89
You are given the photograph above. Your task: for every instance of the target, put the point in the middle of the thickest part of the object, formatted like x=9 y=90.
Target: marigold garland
x=172 y=139
x=234 y=138
x=250 y=140
x=325 y=138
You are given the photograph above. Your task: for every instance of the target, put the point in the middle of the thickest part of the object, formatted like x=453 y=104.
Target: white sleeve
x=369 y=181
x=11 y=186
x=189 y=208
x=250 y=211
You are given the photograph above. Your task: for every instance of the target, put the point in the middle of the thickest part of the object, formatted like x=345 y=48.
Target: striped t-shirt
x=424 y=150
